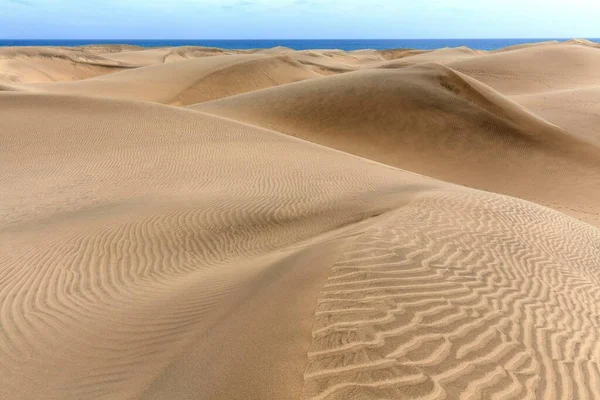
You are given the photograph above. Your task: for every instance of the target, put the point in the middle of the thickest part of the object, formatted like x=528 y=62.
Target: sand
x=537 y=69
x=437 y=122
x=200 y=223
x=47 y=64
x=577 y=110
x=188 y=81
x=441 y=56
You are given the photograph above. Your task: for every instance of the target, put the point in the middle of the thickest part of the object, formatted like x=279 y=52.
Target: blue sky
x=297 y=19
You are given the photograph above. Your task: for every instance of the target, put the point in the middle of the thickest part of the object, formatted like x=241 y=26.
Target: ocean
x=343 y=44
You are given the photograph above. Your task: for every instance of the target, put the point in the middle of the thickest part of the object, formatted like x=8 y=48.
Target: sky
x=298 y=19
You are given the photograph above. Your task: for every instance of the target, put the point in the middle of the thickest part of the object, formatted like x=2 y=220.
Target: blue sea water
x=344 y=44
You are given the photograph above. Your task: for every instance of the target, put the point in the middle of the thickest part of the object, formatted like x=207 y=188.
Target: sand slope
x=41 y=64
x=141 y=57
x=524 y=46
x=156 y=249
x=151 y=251
x=436 y=122
x=441 y=56
x=146 y=238
x=576 y=110
x=537 y=69
x=328 y=63
x=161 y=55
x=188 y=81
x=451 y=297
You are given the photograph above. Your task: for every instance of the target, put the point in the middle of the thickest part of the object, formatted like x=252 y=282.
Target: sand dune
x=107 y=48
x=273 y=50
x=151 y=251
x=149 y=237
x=420 y=306
x=433 y=121
x=189 y=81
x=535 y=68
x=441 y=56
x=576 y=110
x=584 y=42
x=166 y=54
x=141 y=57
x=524 y=46
x=392 y=54
x=326 y=63
x=41 y=64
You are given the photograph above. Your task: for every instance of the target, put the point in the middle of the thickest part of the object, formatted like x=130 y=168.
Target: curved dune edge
x=440 y=56
x=152 y=56
x=434 y=121
x=576 y=110
x=188 y=81
x=156 y=252
x=48 y=64
x=543 y=68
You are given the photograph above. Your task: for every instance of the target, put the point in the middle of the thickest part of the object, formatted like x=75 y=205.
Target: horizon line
x=303 y=39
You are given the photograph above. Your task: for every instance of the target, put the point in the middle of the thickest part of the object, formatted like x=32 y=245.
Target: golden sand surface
x=199 y=223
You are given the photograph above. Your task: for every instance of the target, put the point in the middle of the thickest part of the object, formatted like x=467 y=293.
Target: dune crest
x=576 y=110
x=41 y=64
x=188 y=81
x=441 y=56
x=434 y=121
x=544 y=68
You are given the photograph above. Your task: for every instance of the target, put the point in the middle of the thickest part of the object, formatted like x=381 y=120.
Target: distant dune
x=188 y=81
x=535 y=69
x=441 y=56
x=164 y=54
x=198 y=223
x=43 y=64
